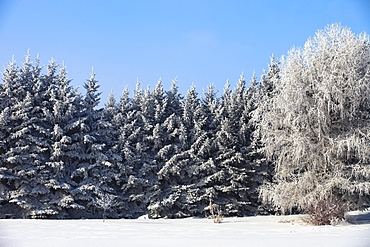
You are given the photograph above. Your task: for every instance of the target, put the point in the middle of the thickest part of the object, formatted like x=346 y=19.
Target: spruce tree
x=91 y=173
x=175 y=175
x=239 y=190
x=27 y=142
x=65 y=104
x=136 y=148
x=168 y=131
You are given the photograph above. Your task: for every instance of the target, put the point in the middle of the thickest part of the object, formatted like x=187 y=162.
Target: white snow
x=249 y=231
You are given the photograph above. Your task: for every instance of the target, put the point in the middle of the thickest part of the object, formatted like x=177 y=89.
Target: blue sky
x=198 y=41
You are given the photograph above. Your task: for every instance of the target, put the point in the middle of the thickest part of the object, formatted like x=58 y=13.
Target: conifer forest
x=289 y=141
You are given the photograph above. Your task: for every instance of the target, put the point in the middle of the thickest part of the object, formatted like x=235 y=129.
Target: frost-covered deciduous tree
x=315 y=126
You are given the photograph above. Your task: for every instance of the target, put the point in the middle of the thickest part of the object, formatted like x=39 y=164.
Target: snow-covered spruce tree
x=21 y=154
x=158 y=115
x=176 y=174
x=168 y=131
x=110 y=171
x=7 y=99
x=155 y=110
x=28 y=141
x=119 y=117
x=238 y=193
x=92 y=175
x=135 y=145
x=84 y=151
x=61 y=104
x=191 y=172
x=51 y=108
x=128 y=127
x=315 y=128
x=122 y=123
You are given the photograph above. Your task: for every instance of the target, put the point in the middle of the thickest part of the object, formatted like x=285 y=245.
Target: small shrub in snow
x=216 y=212
x=326 y=212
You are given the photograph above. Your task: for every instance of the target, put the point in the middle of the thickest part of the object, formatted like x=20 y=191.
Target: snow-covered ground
x=249 y=231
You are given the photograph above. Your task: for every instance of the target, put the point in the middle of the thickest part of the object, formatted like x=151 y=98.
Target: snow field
x=248 y=231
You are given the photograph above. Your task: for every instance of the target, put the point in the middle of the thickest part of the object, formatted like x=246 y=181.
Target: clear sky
x=198 y=41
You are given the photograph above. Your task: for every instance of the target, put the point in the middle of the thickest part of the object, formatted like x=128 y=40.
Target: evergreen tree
x=61 y=115
x=137 y=152
x=168 y=131
x=17 y=168
x=239 y=190
x=92 y=175
x=122 y=122
x=27 y=142
x=184 y=174
x=7 y=99
x=175 y=174
x=206 y=175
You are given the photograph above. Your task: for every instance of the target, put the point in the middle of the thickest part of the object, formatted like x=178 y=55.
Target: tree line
x=282 y=142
